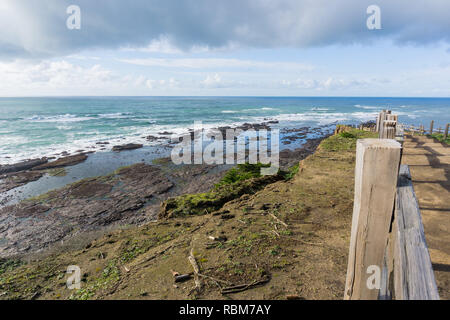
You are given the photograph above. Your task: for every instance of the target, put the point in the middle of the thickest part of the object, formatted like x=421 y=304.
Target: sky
x=224 y=48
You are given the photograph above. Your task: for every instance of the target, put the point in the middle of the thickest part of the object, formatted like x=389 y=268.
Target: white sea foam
x=59 y=118
x=258 y=109
x=369 y=107
x=117 y=115
x=321 y=118
x=137 y=134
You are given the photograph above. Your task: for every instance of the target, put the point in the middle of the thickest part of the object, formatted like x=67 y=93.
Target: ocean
x=36 y=127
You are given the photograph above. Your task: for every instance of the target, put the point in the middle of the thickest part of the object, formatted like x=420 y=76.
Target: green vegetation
x=109 y=277
x=291 y=172
x=161 y=161
x=7 y=265
x=347 y=135
x=242 y=172
x=346 y=141
x=440 y=137
x=243 y=179
x=57 y=172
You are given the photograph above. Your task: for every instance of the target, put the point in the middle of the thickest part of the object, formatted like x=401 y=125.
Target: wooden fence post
x=376 y=172
x=389 y=129
x=431 y=126
x=446 y=131
x=380 y=119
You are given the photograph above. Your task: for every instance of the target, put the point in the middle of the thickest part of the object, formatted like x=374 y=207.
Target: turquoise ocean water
x=35 y=127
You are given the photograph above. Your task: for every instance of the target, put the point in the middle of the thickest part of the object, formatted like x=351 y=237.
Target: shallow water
x=97 y=164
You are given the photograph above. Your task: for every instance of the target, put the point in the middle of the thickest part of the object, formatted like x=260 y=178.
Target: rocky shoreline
x=19 y=174
x=129 y=196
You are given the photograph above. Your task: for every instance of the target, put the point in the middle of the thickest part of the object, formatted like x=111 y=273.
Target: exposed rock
x=14 y=180
x=151 y=138
x=63 y=162
x=130 y=196
x=86 y=189
x=129 y=146
x=22 y=166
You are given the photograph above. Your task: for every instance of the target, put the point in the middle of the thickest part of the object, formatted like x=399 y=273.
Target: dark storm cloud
x=37 y=28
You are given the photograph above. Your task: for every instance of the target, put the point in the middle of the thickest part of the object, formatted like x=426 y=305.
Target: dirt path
x=429 y=162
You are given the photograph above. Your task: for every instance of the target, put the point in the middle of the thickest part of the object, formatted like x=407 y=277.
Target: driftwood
x=243 y=287
x=293 y=297
x=191 y=258
x=183 y=277
x=278 y=220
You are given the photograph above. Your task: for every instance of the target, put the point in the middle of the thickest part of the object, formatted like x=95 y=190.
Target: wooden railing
x=388 y=256
x=421 y=129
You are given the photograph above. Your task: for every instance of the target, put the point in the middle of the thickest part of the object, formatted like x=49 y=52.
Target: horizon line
x=215 y=96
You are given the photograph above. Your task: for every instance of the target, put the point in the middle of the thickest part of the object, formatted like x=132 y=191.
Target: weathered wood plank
x=380 y=118
x=413 y=272
x=376 y=172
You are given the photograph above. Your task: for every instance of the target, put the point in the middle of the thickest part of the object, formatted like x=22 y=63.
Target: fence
x=421 y=129
x=388 y=256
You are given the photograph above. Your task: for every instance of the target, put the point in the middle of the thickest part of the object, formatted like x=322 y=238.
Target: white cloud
x=328 y=84
x=20 y=77
x=217 y=63
x=162 y=84
x=214 y=81
x=161 y=45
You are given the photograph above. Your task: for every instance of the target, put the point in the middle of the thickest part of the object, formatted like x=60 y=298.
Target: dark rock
x=129 y=146
x=153 y=138
x=14 y=180
x=63 y=162
x=22 y=166
x=227 y=216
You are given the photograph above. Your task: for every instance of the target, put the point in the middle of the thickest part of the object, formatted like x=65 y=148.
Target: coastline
x=137 y=204
x=310 y=214
x=22 y=184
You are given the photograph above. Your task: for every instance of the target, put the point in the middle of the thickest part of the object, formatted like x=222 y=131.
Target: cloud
x=51 y=77
x=208 y=63
x=330 y=83
x=36 y=29
x=162 y=84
